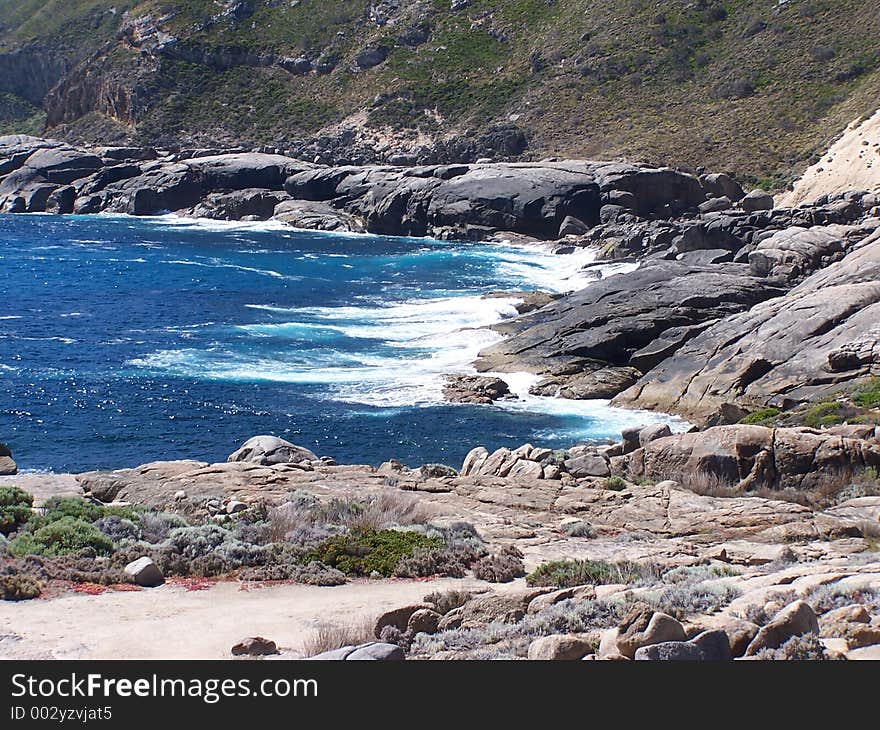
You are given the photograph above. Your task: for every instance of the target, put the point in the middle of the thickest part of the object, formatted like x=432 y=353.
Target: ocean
x=127 y=340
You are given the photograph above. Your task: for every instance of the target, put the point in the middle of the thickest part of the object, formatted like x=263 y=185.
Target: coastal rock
x=795 y=619
x=271 y=450
x=757 y=200
x=643 y=626
x=749 y=457
x=145 y=573
x=795 y=348
x=606 y=382
x=561 y=647
x=398 y=618
x=657 y=309
x=709 y=646
x=474 y=389
x=7 y=465
x=720 y=185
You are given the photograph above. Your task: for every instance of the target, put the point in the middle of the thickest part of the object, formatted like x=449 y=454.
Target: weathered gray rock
x=271 y=450
x=799 y=347
x=757 y=200
x=145 y=573
x=795 y=619
x=657 y=309
x=376 y=652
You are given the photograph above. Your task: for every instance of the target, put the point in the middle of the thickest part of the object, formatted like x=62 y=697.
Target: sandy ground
x=851 y=163
x=171 y=622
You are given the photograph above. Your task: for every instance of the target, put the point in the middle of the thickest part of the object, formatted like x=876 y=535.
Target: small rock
x=423 y=621
x=561 y=647
x=255 y=646
x=235 y=506
x=654 y=432
x=716 y=205
x=572 y=226
x=179 y=495
x=145 y=573
x=436 y=471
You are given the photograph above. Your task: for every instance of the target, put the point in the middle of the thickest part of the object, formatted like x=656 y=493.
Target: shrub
x=156 y=526
x=762 y=417
x=686 y=599
x=502 y=568
x=15 y=509
x=19 y=587
x=327 y=636
x=365 y=551
x=806 y=647
x=318 y=574
x=60 y=537
x=579 y=529
x=615 y=483
x=570 y=573
x=446 y=601
x=868 y=395
x=824 y=414
x=81 y=568
x=463 y=540
x=426 y=562
x=194 y=542
x=708 y=484
x=58 y=507
x=118 y=528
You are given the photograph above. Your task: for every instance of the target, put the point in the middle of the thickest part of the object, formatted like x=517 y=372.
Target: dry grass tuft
x=328 y=636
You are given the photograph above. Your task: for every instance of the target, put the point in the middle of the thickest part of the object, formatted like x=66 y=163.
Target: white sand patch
x=851 y=163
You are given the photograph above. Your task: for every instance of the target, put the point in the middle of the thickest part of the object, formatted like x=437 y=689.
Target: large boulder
x=757 y=200
x=255 y=646
x=643 y=626
x=709 y=646
x=752 y=457
x=476 y=389
x=561 y=647
x=796 y=619
x=271 y=450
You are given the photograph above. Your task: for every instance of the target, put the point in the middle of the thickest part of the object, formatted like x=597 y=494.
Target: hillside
x=756 y=87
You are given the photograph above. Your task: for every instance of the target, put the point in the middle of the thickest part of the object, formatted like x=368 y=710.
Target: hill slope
x=758 y=87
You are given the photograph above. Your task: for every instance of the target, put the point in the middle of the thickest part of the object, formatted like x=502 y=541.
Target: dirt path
x=171 y=622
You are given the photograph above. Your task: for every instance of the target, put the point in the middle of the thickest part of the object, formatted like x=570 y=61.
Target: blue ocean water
x=126 y=340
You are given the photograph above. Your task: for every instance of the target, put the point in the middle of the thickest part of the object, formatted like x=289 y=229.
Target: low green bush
x=61 y=537
x=570 y=573
x=615 y=483
x=19 y=587
x=868 y=395
x=824 y=414
x=15 y=509
x=762 y=417
x=364 y=551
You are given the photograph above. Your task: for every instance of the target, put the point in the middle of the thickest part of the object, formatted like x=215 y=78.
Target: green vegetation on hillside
x=753 y=87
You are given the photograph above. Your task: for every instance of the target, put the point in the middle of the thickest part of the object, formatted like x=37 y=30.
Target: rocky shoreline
x=694 y=566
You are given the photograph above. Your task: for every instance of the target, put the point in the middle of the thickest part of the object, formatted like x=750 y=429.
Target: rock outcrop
x=789 y=350
x=470 y=200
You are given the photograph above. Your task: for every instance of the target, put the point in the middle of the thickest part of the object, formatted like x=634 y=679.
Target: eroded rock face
x=751 y=457
x=633 y=320
x=7 y=465
x=788 y=350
